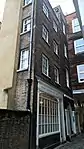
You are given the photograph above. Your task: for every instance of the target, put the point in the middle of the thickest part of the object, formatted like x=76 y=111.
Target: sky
x=66 y=5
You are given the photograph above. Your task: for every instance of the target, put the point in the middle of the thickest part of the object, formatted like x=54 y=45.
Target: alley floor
x=76 y=143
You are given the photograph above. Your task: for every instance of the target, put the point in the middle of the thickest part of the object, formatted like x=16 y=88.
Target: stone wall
x=14 y=129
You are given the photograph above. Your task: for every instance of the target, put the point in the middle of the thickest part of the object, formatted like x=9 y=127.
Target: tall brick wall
x=14 y=129
x=20 y=99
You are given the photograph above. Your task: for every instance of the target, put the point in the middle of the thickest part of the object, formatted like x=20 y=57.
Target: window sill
x=46 y=15
x=48 y=134
x=56 y=54
x=24 y=33
x=46 y=75
x=46 y=42
x=20 y=70
x=24 y=6
x=57 y=83
x=55 y=30
x=81 y=82
x=68 y=87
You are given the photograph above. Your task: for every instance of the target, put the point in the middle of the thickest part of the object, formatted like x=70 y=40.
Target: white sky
x=66 y=5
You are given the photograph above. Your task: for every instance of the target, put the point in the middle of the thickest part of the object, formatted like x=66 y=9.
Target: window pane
x=45 y=9
x=80 y=70
x=56 y=73
x=67 y=78
x=45 y=33
x=24 y=59
x=65 y=51
x=55 y=26
x=26 y=25
x=44 y=65
x=50 y=119
x=79 y=45
x=64 y=28
x=27 y=2
x=75 y=25
x=55 y=45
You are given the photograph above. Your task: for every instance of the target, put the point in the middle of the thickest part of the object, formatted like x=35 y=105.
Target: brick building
x=76 y=55
x=38 y=74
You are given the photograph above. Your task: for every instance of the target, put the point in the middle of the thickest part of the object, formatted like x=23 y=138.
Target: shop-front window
x=48 y=116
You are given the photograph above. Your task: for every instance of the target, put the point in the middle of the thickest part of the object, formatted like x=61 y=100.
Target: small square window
x=55 y=46
x=80 y=71
x=56 y=73
x=79 y=45
x=45 y=66
x=26 y=25
x=55 y=26
x=45 y=33
x=75 y=25
x=24 y=59
x=45 y=10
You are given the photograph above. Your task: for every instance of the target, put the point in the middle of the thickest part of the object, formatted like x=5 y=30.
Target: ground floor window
x=48 y=116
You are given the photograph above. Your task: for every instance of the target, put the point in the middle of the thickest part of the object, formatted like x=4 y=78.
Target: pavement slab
x=76 y=143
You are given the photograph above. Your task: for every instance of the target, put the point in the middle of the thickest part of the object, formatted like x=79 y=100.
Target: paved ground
x=76 y=143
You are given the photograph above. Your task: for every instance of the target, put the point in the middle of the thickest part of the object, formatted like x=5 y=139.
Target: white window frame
x=55 y=26
x=50 y=115
x=77 y=46
x=65 y=51
x=74 y=26
x=56 y=47
x=67 y=78
x=25 y=59
x=64 y=28
x=44 y=57
x=45 y=33
x=45 y=10
x=78 y=72
x=27 y=2
x=56 y=73
x=28 y=24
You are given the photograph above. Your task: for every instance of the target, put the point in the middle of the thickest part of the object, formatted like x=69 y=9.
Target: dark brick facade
x=75 y=59
x=47 y=48
x=14 y=129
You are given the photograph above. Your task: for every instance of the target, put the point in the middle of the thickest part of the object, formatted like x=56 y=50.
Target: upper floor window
x=65 y=50
x=26 y=25
x=64 y=28
x=67 y=77
x=24 y=59
x=45 y=10
x=45 y=66
x=80 y=71
x=26 y=2
x=55 y=45
x=79 y=45
x=56 y=73
x=75 y=25
x=45 y=33
x=55 y=26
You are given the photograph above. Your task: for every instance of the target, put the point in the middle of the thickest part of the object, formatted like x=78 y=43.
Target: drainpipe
x=30 y=60
x=29 y=106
